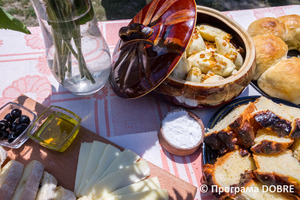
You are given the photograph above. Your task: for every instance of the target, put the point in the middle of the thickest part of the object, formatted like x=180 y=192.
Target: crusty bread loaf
x=281 y=118
x=253 y=189
x=292 y=24
x=226 y=171
x=282 y=80
x=234 y=128
x=274 y=116
x=296 y=149
x=9 y=178
x=64 y=194
x=239 y=127
x=278 y=169
x=267 y=26
x=47 y=187
x=3 y=155
x=269 y=50
x=28 y=186
x=268 y=142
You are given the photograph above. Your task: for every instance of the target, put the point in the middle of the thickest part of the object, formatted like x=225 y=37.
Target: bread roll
x=9 y=177
x=282 y=80
x=28 y=186
x=292 y=24
x=267 y=25
x=269 y=50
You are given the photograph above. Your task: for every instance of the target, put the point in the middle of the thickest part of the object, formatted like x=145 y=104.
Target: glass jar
x=76 y=51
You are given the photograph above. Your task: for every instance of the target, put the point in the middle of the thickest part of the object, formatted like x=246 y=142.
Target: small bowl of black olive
x=15 y=121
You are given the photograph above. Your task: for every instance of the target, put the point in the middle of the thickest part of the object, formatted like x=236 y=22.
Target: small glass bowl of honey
x=55 y=128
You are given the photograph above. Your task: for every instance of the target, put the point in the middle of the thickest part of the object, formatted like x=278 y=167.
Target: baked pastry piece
x=282 y=80
x=28 y=185
x=255 y=190
x=196 y=44
x=269 y=50
x=47 y=187
x=292 y=24
x=84 y=198
x=3 y=155
x=296 y=149
x=182 y=68
x=267 y=26
x=209 y=33
x=226 y=171
x=278 y=169
x=64 y=194
x=235 y=128
x=9 y=178
x=268 y=142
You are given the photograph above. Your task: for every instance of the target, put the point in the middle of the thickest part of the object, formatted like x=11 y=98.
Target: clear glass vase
x=76 y=51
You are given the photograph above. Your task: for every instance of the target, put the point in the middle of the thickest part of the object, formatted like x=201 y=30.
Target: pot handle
x=135 y=31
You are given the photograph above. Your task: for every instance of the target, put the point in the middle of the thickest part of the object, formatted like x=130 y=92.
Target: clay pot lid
x=151 y=46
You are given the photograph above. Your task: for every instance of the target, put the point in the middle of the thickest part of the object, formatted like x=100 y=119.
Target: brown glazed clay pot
x=151 y=46
x=153 y=43
x=191 y=94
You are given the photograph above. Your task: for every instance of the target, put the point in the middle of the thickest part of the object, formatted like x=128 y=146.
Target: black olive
x=4 y=124
x=20 y=128
x=24 y=119
x=9 y=118
x=14 y=126
x=15 y=113
x=12 y=136
x=3 y=135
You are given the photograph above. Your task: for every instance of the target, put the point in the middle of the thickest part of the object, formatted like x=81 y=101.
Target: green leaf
x=9 y=22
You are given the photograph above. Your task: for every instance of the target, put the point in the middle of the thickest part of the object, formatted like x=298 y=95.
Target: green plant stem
x=69 y=74
x=58 y=53
x=77 y=40
x=64 y=29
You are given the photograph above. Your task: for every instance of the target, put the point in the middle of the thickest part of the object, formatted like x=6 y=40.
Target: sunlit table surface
x=132 y=124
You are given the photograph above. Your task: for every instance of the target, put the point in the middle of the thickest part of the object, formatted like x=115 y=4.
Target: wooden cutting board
x=63 y=165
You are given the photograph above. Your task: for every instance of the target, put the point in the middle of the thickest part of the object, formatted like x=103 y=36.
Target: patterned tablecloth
x=132 y=124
